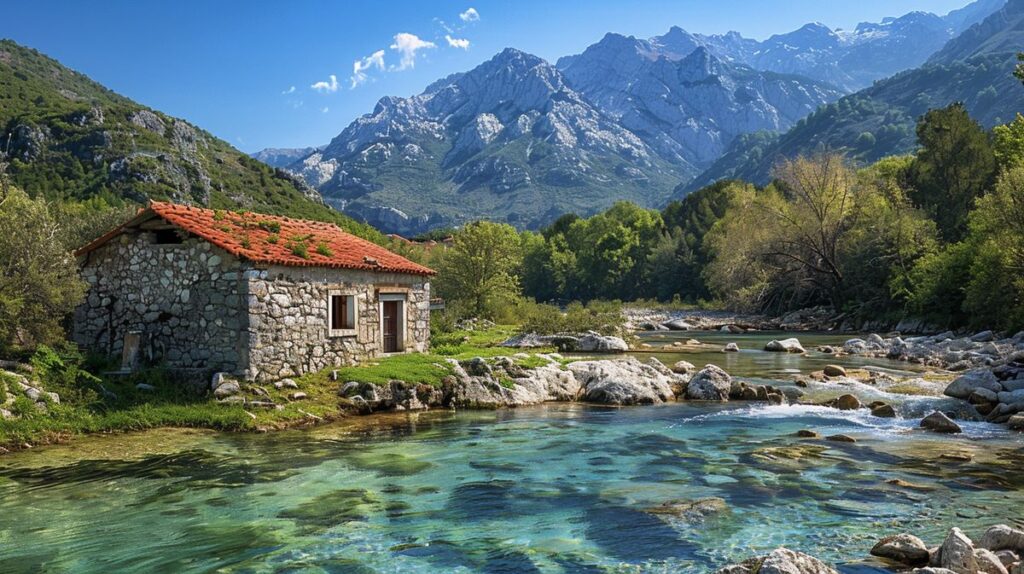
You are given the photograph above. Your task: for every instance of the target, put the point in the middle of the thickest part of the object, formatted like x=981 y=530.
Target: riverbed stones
x=1007 y=557
x=807 y=433
x=903 y=548
x=957 y=553
x=731 y=348
x=1003 y=537
x=791 y=345
x=834 y=371
x=1016 y=422
x=780 y=561
x=884 y=411
x=848 y=402
x=691 y=511
x=939 y=422
x=988 y=562
x=709 y=384
x=596 y=343
x=678 y=325
x=841 y=438
x=683 y=367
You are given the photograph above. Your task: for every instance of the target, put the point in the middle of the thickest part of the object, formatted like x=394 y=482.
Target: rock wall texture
x=197 y=308
x=183 y=299
x=287 y=308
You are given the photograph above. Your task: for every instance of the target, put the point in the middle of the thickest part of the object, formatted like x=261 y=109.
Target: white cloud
x=325 y=109
x=407 y=45
x=470 y=15
x=359 y=67
x=331 y=86
x=457 y=42
x=290 y=90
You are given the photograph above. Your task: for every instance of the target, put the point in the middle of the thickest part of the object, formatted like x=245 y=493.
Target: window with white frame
x=341 y=314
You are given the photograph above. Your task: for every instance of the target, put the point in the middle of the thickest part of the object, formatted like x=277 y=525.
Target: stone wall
x=288 y=331
x=183 y=299
x=199 y=308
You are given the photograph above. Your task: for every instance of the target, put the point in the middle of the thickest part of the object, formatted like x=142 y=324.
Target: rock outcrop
x=780 y=561
x=624 y=382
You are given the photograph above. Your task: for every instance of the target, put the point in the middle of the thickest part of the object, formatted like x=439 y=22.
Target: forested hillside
x=69 y=139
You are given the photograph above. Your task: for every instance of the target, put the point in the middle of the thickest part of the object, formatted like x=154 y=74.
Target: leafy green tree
x=1009 y=143
x=690 y=220
x=611 y=250
x=39 y=283
x=956 y=165
x=478 y=273
x=782 y=247
x=995 y=290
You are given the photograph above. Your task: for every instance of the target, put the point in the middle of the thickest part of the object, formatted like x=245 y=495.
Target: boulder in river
x=988 y=562
x=683 y=367
x=731 y=348
x=1003 y=537
x=905 y=549
x=678 y=325
x=966 y=384
x=848 y=403
x=791 y=345
x=834 y=371
x=622 y=382
x=596 y=343
x=939 y=422
x=780 y=561
x=957 y=553
x=1016 y=422
x=884 y=411
x=710 y=384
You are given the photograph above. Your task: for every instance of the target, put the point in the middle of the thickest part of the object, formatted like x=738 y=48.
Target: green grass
x=83 y=411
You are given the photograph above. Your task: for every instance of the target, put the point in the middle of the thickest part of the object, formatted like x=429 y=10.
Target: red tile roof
x=274 y=240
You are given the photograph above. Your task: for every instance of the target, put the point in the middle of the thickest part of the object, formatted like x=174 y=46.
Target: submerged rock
x=939 y=422
x=690 y=510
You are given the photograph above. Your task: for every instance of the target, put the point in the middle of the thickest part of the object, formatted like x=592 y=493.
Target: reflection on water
x=556 y=488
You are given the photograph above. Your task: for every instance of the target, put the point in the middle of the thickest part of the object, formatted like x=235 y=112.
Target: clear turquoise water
x=555 y=488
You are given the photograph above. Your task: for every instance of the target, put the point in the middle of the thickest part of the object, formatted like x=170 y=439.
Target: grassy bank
x=99 y=404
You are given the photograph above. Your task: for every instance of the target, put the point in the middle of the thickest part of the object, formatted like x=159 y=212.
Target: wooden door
x=390 y=326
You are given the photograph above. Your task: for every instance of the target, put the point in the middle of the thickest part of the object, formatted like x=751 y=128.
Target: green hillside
x=70 y=139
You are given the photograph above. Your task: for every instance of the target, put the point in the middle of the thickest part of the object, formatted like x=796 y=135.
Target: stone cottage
x=258 y=296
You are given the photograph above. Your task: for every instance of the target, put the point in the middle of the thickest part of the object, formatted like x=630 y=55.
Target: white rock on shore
x=780 y=561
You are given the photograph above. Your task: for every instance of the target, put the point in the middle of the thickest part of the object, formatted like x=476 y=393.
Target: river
x=554 y=488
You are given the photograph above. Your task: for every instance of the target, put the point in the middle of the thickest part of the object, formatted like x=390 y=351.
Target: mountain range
x=975 y=68
x=523 y=141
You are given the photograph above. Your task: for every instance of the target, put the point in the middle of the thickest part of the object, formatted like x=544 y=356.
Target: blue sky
x=246 y=71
